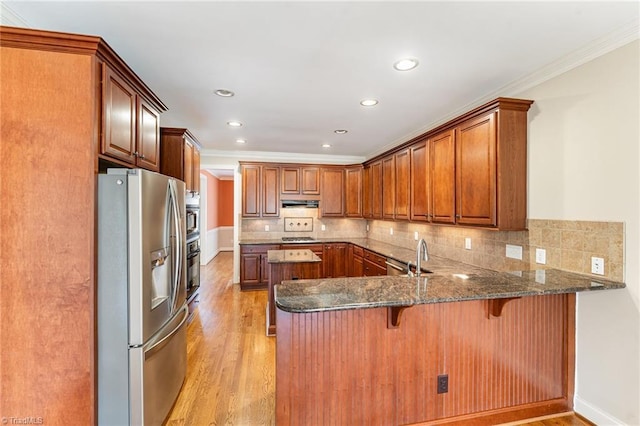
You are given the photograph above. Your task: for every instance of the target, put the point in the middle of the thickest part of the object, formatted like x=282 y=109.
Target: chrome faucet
x=421 y=254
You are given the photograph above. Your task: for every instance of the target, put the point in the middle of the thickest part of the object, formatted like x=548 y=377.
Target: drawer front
x=258 y=248
x=374 y=258
x=358 y=251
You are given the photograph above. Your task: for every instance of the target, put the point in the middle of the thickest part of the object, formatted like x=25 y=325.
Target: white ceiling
x=299 y=69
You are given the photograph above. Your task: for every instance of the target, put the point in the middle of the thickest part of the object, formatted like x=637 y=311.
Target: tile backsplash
x=569 y=244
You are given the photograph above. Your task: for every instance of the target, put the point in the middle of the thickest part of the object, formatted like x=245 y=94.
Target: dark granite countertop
x=450 y=281
x=448 y=284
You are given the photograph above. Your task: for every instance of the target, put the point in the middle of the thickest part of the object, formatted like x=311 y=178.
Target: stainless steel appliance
x=192 y=202
x=141 y=307
x=193 y=269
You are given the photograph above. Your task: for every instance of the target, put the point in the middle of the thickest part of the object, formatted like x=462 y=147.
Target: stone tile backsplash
x=569 y=244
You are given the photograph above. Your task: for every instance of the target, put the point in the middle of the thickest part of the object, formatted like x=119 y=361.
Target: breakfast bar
x=457 y=345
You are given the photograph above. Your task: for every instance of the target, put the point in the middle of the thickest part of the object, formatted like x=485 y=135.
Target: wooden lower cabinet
x=355 y=261
x=254 y=269
x=373 y=264
x=351 y=367
x=335 y=260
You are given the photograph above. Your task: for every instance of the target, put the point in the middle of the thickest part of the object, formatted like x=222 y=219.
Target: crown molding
x=621 y=36
x=216 y=159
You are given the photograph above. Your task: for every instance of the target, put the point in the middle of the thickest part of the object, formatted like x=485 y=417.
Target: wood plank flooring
x=231 y=362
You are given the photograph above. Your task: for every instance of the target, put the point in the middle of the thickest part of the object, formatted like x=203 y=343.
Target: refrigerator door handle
x=178 y=249
x=157 y=346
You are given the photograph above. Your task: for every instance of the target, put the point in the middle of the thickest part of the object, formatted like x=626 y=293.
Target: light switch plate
x=298 y=224
x=266 y=227
x=541 y=256
x=514 y=252
x=323 y=227
x=415 y=235
x=467 y=243
x=390 y=231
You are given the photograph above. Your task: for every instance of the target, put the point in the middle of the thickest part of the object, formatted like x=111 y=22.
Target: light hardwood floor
x=231 y=362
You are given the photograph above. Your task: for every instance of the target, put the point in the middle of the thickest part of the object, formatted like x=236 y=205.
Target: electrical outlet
x=514 y=252
x=390 y=231
x=597 y=265
x=467 y=243
x=367 y=228
x=443 y=383
x=415 y=235
x=541 y=256
x=266 y=227
x=323 y=227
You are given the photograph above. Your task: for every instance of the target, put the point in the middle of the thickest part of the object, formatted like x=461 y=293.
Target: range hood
x=309 y=204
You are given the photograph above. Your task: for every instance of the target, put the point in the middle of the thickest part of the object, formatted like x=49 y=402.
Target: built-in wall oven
x=192 y=202
x=193 y=268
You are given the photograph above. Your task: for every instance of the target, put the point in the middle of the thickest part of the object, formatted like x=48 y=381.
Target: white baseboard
x=594 y=414
x=216 y=236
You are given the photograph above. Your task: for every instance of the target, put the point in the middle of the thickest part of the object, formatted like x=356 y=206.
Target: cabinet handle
x=135 y=154
x=457 y=216
x=141 y=157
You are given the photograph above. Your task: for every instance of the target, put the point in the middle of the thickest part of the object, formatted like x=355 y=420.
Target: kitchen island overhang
x=373 y=350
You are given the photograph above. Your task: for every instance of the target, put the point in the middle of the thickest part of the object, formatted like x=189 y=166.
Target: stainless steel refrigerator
x=141 y=296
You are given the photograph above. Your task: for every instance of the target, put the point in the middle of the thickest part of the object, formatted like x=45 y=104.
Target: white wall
x=584 y=162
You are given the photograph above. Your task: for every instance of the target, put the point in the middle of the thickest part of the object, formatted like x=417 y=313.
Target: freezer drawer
x=157 y=371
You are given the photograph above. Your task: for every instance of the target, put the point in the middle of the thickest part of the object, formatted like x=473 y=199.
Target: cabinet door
x=419 y=182
x=188 y=164
x=250 y=265
x=332 y=184
x=270 y=191
x=358 y=266
x=335 y=260
x=442 y=158
x=388 y=187
x=366 y=192
x=148 y=137
x=251 y=190
x=401 y=211
x=310 y=180
x=376 y=190
x=119 y=119
x=196 y=169
x=353 y=192
x=476 y=171
x=290 y=177
x=264 y=268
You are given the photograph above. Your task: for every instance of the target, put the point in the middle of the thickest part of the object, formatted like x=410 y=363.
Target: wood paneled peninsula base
x=388 y=350
x=288 y=264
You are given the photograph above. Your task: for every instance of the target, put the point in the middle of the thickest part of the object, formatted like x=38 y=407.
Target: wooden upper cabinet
x=402 y=176
x=130 y=124
x=332 y=189
x=376 y=190
x=148 y=141
x=290 y=178
x=310 y=180
x=251 y=190
x=180 y=156
x=389 y=187
x=300 y=180
x=353 y=191
x=270 y=191
x=366 y=192
x=119 y=101
x=476 y=171
x=419 y=182
x=260 y=190
x=196 y=170
x=442 y=177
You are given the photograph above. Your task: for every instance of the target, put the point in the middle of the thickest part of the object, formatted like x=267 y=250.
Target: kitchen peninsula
x=459 y=345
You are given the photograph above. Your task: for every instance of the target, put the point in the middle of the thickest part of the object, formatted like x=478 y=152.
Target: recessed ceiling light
x=234 y=123
x=340 y=131
x=326 y=145
x=406 y=64
x=224 y=93
x=369 y=102
x=241 y=141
